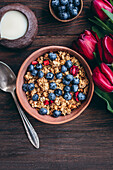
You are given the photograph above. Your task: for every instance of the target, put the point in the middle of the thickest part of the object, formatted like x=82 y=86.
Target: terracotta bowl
x=56 y=17
x=22 y=96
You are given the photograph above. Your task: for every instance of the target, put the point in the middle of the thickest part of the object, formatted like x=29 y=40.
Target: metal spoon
x=8 y=84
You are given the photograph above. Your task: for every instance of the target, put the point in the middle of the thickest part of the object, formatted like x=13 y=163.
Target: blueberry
x=63 y=69
x=68 y=64
x=75 y=80
x=67 y=88
x=69 y=77
x=64 y=2
x=81 y=96
x=49 y=76
x=67 y=96
x=35 y=97
x=61 y=9
x=63 y=15
x=30 y=67
x=58 y=92
x=34 y=72
x=74 y=88
x=65 y=82
x=51 y=96
x=55 y=3
x=31 y=86
x=56 y=113
x=59 y=75
x=53 y=86
x=74 y=12
x=43 y=111
x=25 y=87
x=40 y=74
x=70 y=7
x=39 y=66
x=77 y=2
x=52 y=56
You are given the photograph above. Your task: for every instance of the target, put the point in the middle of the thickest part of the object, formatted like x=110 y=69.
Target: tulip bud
x=101 y=81
x=86 y=44
x=105 y=47
x=97 y=6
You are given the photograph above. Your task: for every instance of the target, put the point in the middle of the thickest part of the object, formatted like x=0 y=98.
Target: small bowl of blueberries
x=65 y=10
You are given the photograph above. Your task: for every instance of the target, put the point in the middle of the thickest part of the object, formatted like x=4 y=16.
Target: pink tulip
x=86 y=44
x=105 y=49
x=98 y=4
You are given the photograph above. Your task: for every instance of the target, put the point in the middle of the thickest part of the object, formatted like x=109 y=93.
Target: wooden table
x=85 y=143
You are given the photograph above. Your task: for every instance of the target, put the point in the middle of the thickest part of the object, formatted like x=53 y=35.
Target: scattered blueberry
x=64 y=2
x=59 y=75
x=52 y=56
x=35 y=97
x=39 y=66
x=75 y=80
x=77 y=2
x=49 y=76
x=70 y=1
x=25 y=87
x=43 y=111
x=63 y=15
x=40 y=74
x=68 y=64
x=65 y=82
x=74 y=88
x=55 y=3
x=67 y=96
x=31 y=86
x=51 y=96
x=61 y=9
x=69 y=77
x=63 y=69
x=58 y=92
x=34 y=72
x=30 y=67
x=56 y=113
x=53 y=86
x=81 y=96
x=67 y=88
x=74 y=12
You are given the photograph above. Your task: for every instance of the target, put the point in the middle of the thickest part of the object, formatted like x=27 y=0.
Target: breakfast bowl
x=24 y=100
x=72 y=17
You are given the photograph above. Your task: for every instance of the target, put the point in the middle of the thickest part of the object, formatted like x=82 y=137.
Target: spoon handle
x=32 y=135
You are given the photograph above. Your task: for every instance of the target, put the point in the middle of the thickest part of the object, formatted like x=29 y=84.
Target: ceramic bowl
x=22 y=96
x=56 y=17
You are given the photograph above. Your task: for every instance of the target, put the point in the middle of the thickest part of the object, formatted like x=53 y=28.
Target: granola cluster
x=66 y=74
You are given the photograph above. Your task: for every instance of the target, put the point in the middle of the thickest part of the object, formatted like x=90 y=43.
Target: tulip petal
x=99 y=46
x=109 y=44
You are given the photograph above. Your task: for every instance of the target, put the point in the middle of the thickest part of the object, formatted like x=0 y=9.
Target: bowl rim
x=29 y=109
x=68 y=20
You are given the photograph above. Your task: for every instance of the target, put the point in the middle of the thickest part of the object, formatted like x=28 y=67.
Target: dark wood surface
x=85 y=143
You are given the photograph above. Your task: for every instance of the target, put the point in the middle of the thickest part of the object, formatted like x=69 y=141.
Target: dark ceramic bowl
x=22 y=96
x=71 y=19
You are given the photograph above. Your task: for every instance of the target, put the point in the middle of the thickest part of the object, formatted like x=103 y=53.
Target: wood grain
x=85 y=143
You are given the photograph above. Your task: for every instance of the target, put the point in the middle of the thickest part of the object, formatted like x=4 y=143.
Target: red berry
x=74 y=70
x=76 y=96
x=34 y=62
x=46 y=62
x=51 y=101
x=46 y=102
x=71 y=94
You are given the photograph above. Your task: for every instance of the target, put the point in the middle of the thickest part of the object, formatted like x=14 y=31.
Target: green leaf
x=109 y=14
x=107 y=97
x=99 y=32
x=111 y=2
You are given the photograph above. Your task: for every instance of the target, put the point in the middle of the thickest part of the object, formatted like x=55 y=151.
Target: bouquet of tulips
x=96 y=45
